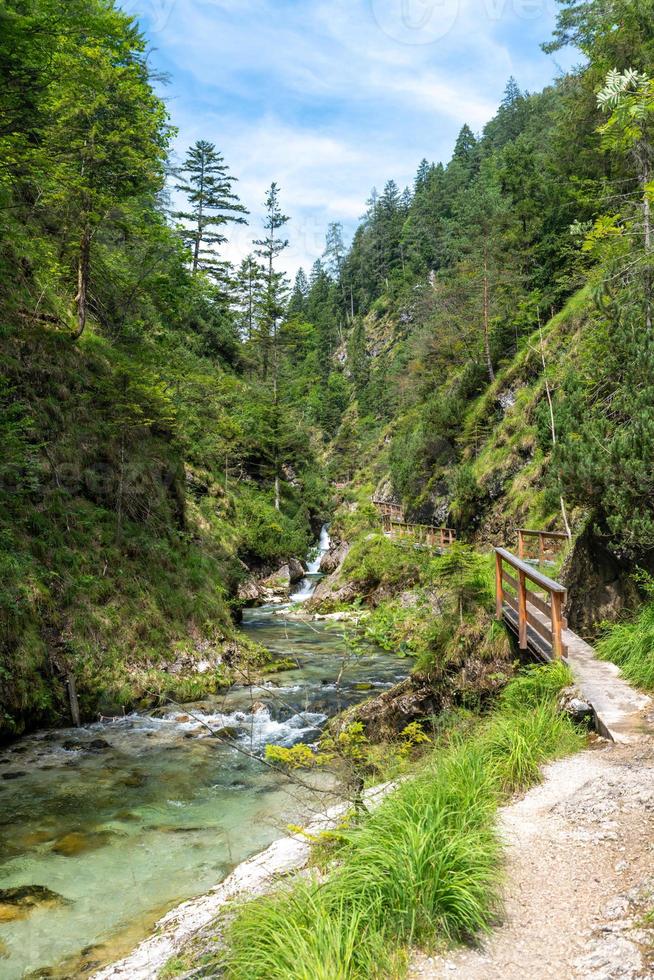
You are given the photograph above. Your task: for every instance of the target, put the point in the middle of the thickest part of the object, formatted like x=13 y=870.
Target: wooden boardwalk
x=531 y=604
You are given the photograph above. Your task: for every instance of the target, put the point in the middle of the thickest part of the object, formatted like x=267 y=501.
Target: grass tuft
x=631 y=646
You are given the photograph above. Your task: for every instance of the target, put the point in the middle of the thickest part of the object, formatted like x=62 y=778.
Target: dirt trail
x=579 y=876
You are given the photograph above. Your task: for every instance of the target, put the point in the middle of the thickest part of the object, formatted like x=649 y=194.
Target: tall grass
x=631 y=647
x=424 y=867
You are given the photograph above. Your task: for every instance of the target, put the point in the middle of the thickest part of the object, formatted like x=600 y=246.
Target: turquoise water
x=157 y=811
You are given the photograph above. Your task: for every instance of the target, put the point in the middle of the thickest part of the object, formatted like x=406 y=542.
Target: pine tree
x=271 y=308
x=422 y=175
x=297 y=304
x=334 y=253
x=248 y=281
x=466 y=145
x=213 y=204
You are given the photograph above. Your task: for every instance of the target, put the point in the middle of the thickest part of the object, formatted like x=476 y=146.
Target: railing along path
x=426 y=534
x=548 y=543
x=531 y=604
x=388 y=509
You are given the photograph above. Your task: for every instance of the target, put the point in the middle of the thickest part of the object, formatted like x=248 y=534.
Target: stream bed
x=119 y=821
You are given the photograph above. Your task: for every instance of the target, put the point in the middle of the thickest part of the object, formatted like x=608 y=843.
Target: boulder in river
x=17 y=903
x=296 y=570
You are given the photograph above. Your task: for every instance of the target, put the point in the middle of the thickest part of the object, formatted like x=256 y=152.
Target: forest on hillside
x=171 y=423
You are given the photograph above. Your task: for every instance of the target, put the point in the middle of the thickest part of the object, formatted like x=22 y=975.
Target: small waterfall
x=308 y=584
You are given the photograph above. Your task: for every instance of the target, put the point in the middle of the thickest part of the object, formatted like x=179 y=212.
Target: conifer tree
x=422 y=175
x=271 y=308
x=298 y=302
x=334 y=253
x=248 y=282
x=208 y=186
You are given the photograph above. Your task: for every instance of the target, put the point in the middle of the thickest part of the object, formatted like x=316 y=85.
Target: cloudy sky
x=332 y=97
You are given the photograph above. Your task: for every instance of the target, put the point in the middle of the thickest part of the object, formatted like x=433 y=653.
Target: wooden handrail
x=442 y=536
x=528 y=609
x=542 y=536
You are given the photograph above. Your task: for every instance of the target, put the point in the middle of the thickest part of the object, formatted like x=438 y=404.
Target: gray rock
x=573 y=705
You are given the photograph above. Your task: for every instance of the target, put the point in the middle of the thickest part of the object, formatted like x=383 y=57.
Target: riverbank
x=254 y=877
x=425 y=864
x=125 y=819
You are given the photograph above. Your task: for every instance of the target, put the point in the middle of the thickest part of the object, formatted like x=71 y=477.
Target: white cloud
x=331 y=97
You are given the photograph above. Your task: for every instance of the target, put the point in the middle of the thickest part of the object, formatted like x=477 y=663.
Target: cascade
x=308 y=584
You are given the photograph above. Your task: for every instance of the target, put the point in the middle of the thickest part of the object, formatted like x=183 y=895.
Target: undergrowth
x=424 y=868
x=630 y=645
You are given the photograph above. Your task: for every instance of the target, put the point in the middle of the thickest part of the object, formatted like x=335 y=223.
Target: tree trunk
x=72 y=700
x=647 y=231
x=83 y=270
x=489 y=362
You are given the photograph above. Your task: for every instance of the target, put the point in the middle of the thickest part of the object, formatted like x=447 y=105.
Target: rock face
x=390 y=712
x=295 y=569
x=599 y=587
x=333 y=559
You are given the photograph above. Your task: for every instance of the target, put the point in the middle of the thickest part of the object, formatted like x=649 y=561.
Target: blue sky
x=332 y=97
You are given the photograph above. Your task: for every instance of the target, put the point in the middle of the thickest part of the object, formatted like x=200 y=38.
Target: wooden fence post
x=557 y=646
x=541 y=549
x=522 y=611
x=499 y=588
x=521 y=545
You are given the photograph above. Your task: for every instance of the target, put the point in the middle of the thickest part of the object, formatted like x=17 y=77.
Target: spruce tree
x=208 y=186
x=297 y=304
x=271 y=308
x=248 y=282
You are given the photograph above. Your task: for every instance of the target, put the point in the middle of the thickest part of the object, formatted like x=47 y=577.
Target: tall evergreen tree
x=208 y=186
x=297 y=305
x=422 y=175
x=334 y=254
x=248 y=282
x=271 y=309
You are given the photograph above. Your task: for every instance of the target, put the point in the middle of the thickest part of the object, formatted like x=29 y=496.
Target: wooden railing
x=388 y=509
x=434 y=537
x=537 y=619
x=545 y=538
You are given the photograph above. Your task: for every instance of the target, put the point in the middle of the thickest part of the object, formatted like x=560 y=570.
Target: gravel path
x=580 y=876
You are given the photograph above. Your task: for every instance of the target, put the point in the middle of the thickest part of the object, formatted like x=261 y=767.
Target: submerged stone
x=77 y=842
x=135 y=778
x=36 y=837
x=17 y=903
x=14 y=775
x=99 y=744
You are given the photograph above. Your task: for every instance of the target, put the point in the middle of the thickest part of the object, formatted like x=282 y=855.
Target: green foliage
x=630 y=645
x=377 y=561
x=297 y=757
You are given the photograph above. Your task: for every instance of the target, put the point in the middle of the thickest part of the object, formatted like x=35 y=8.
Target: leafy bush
x=376 y=560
